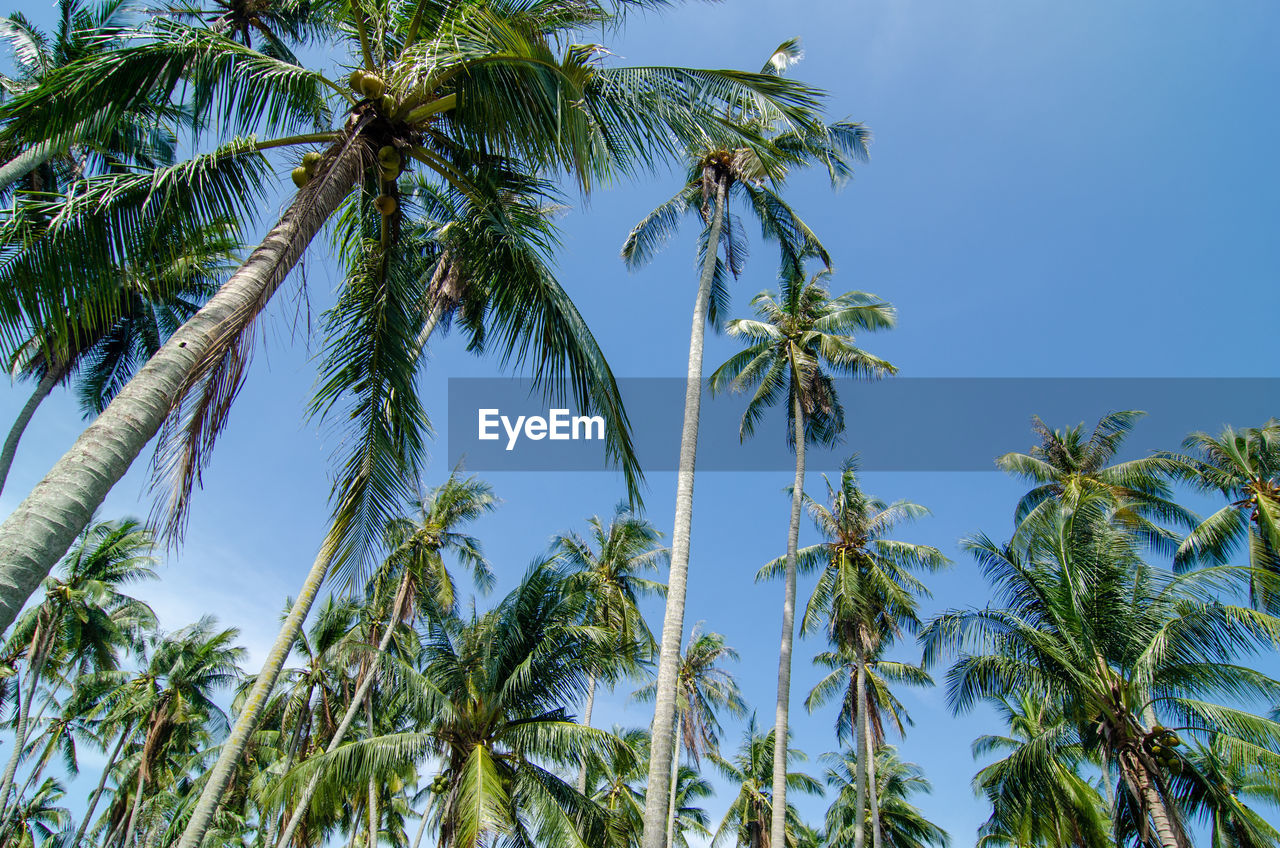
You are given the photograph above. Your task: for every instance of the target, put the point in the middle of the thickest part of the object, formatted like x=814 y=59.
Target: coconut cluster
x=1160 y=743
x=304 y=172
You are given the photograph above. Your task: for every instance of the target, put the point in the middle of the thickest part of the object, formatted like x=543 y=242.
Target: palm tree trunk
x=247 y=721
x=422 y=826
x=778 y=819
x=1167 y=832
x=373 y=786
x=127 y=840
x=97 y=792
x=362 y=689
x=24 y=163
x=36 y=655
x=586 y=720
x=673 y=620
x=873 y=790
x=46 y=384
x=46 y=523
x=675 y=785
x=860 y=775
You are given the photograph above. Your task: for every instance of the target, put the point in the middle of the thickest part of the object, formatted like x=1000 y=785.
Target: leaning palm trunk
x=129 y=828
x=664 y=712
x=97 y=792
x=675 y=783
x=373 y=785
x=873 y=790
x=860 y=774
x=46 y=384
x=778 y=818
x=26 y=162
x=586 y=720
x=36 y=654
x=247 y=721
x=45 y=524
x=1168 y=831
x=422 y=827
x=362 y=692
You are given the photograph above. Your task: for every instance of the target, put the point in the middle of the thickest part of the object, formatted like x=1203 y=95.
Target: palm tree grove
x=986 y=547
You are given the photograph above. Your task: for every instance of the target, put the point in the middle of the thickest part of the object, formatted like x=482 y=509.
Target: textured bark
x=127 y=839
x=778 y=818
x=673 y=621
x=422 y=828
x=362 y=691
x=1167 y=832
x=675 y=783
x=25 y=162
x=860 y=773
x=373 y=784
x=586 y=720
x=97 y=792
x=251 y=712
x=46 y=384
x=873 y=790
x=36 y=655
x=45 y=524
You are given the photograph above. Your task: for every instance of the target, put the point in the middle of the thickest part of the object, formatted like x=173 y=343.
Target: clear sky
x=1056 y=189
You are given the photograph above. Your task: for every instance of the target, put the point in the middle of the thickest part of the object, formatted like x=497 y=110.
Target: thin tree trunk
x=97 y=792
x=366 y=682
x=373 y=786
x=778 y=819
x=860 y=776
x=247 y=721
x=45 y=524
x=422 y=826
x=24 y=163
x=133 y=809
x=673 y=620
x=46 y=384
x=586 y=720
x=873 y=790
x=675 y=784
x=35 y=666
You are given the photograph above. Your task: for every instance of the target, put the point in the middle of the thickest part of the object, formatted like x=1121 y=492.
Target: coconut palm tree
x=905 y=825
x=1068 y=464
x=1126 y=653
x=83 y=620
x=718 y=174
x=416 y=567
x=703 y=688
x=37 y=820
x=799 y=340
x=1037 y=793
x=491 y=695
x=866 y=595
x=1244 y=467
x=608 y=567
x=1217 y=787
x=747 y=821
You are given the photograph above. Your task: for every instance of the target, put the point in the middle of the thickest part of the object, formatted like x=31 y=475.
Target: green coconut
x=386 y=204
x=372 y=86
x=356 y=78
x=310 y=161
x=300 y=176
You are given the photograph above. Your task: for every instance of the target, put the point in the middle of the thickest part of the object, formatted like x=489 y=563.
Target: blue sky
x=1056 y=189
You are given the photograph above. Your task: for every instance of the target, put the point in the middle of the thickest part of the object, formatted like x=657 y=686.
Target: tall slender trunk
x=373 y=785
x=673 y=620
x=127 y=840
x=46 y=384
x=778 y=819
x=247 y=721
x=675 y=784
x=35 y=665
x=362 y=689
x=45 y=524
x=873 y=790
x=860 y=774
x=422 y=826
x=586 y=720
x=97 y=792
x=26 y=162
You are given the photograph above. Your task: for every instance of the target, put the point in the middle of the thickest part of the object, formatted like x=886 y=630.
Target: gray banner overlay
x=901 y=424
